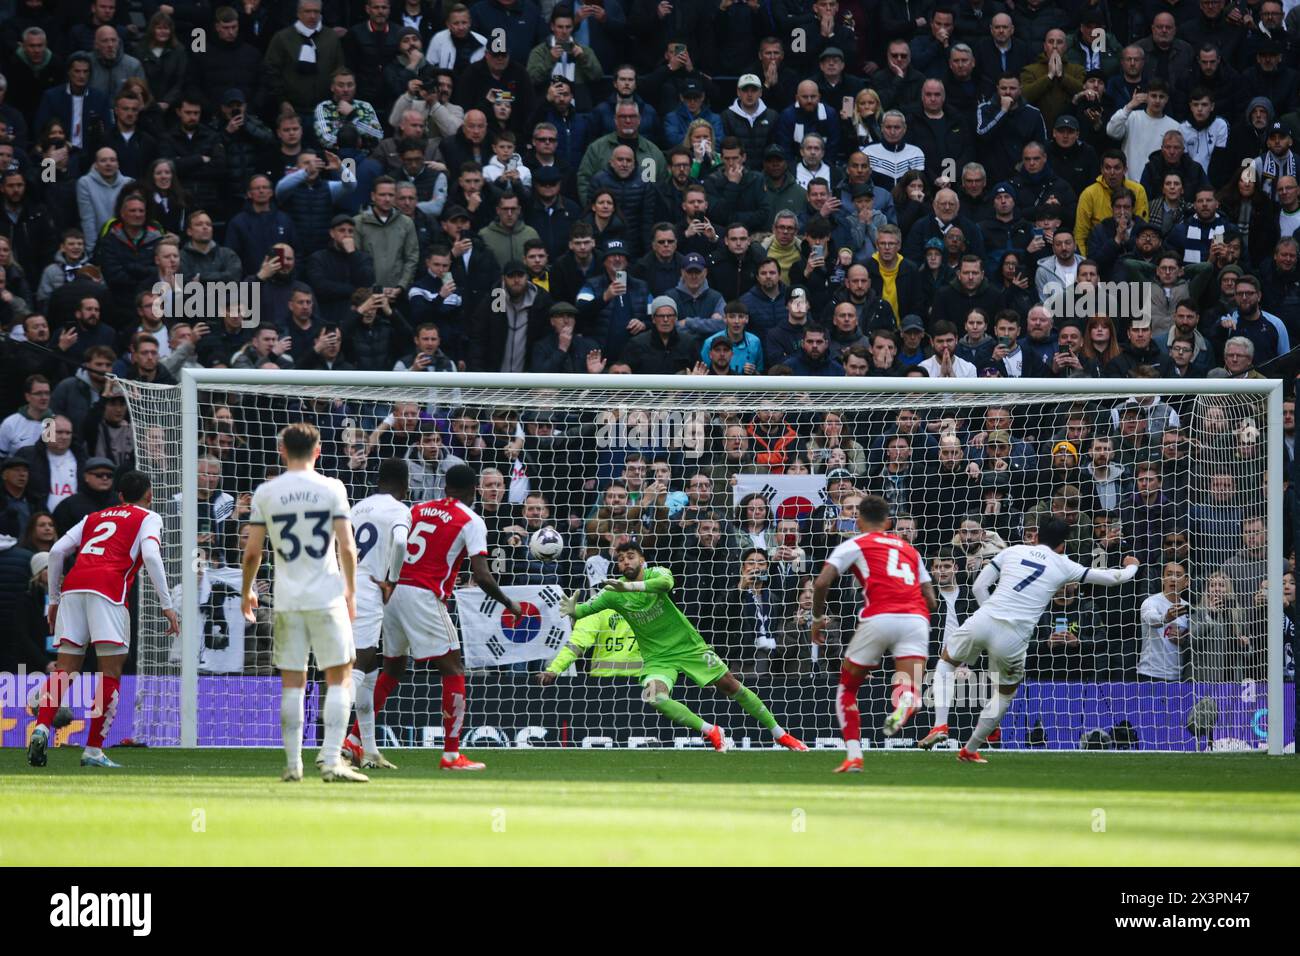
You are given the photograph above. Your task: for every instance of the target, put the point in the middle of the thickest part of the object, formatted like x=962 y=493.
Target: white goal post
x=1221 y=419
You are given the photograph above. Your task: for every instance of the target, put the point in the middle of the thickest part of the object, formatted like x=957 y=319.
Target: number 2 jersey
x=890 y=571
x=1028 y=576
x=298 y=509
x=442 y=532
x=109 y=549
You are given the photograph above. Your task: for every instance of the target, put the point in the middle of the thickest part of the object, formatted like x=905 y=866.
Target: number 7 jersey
x=298 y=509
x=1028 y=577
x=890 y=571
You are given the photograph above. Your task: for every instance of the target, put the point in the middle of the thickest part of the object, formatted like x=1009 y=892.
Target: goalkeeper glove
x=619 y=584
x=569 y=605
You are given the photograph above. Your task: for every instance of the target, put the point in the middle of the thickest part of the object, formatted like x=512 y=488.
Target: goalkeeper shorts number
x=703 y=667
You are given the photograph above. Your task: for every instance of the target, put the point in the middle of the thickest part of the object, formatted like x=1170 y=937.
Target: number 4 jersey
x=890 y=571
x=298 y=509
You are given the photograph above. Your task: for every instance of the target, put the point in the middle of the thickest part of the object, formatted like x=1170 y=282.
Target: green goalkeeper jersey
x=661 y=629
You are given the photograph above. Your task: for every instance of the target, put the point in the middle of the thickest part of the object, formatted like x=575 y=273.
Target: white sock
x=365 y=707
x=777 y=732
x=854 y=747
x=706 y=729
x=93 y=752
x=945 y=677
x=338 y=705
x=989 y=721
x=291 y=699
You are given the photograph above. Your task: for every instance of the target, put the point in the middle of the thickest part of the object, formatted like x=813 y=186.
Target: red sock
x=846 y=705
x=105 y=710
x=384 y=685
x=52 y=691
x=453 y=711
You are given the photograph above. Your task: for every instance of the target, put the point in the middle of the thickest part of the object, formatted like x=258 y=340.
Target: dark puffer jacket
x=632 y=196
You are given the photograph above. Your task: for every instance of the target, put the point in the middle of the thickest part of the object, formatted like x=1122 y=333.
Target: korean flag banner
x=788 y=496
x=492 y=636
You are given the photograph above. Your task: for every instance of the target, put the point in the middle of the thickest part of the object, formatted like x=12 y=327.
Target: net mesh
x=703 y=478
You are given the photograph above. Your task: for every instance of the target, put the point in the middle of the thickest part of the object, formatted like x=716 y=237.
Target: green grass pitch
x=228 y=807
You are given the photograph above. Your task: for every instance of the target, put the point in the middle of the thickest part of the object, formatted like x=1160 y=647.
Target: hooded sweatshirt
x=96 y=197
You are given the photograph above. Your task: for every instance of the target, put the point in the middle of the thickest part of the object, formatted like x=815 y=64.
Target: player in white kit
x=380 y=523
x=305 y=514
x=1027 y=576
x=89 y=607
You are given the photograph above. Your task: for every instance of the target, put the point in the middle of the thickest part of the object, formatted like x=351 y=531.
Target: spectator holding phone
x=1165 y=627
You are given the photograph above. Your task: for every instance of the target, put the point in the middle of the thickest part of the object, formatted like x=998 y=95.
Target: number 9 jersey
x=298 y=510
x=890 y=571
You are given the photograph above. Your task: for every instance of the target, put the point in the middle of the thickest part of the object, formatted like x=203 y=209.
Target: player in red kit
x=898 y=599
x=419 y=581
x=89 y=607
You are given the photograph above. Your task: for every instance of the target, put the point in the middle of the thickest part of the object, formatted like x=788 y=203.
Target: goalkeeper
x=670 y=646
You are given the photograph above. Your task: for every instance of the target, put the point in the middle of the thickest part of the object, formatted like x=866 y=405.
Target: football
x=546 y=544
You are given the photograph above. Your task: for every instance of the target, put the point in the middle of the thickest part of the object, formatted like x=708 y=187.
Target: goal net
x=742 y=492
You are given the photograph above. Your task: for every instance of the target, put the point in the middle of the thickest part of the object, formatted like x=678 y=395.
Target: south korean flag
x=493 y=636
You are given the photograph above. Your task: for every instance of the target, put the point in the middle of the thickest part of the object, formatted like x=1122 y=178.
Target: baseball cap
x=722 y=342
x=692 y=88
x=1003 y=187
x=1267 y=46
x=912 y=321
x=1280 y=129
x=774 y=152
x=547 y=176
x=513 y=268
x=561 y=78
x=340 y=219
x=455 y=212
x=694 y=262
x=999 y=436
x=831 y=51
x=935 y=243
x=1144 y=227
x=861 y=189
x=749 y=79
x=615 y=247
x=1066 y=122
x=98 y=464
x=233 y=95
x=839 y=474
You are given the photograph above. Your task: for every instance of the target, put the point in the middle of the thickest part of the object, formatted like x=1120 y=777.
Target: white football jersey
x=298 y=510
x=1028 y=576
x=373 y=521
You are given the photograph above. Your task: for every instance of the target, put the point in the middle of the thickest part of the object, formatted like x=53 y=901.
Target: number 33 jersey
x=298 y=510
x=890 y=571
x=1028 y=576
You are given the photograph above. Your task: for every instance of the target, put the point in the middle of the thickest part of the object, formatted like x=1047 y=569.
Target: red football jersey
x=108 y=556
x=442 y=533
x=890 y=571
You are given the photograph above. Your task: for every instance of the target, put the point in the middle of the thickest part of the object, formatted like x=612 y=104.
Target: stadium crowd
x=716 y=187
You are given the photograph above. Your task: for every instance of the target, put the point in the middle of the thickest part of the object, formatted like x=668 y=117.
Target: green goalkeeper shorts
x=704 y=667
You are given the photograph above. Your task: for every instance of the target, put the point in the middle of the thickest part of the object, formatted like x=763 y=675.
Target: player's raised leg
x=751 y=704
x=909 y=675
x=656 y=690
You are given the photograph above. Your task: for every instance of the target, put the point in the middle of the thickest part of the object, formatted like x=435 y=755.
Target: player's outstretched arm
x=249 y=564
x=482 y=575
x=347 y=545
x=1110 y=577
x=821 y=587
x=983 y=586
x=151 y=552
